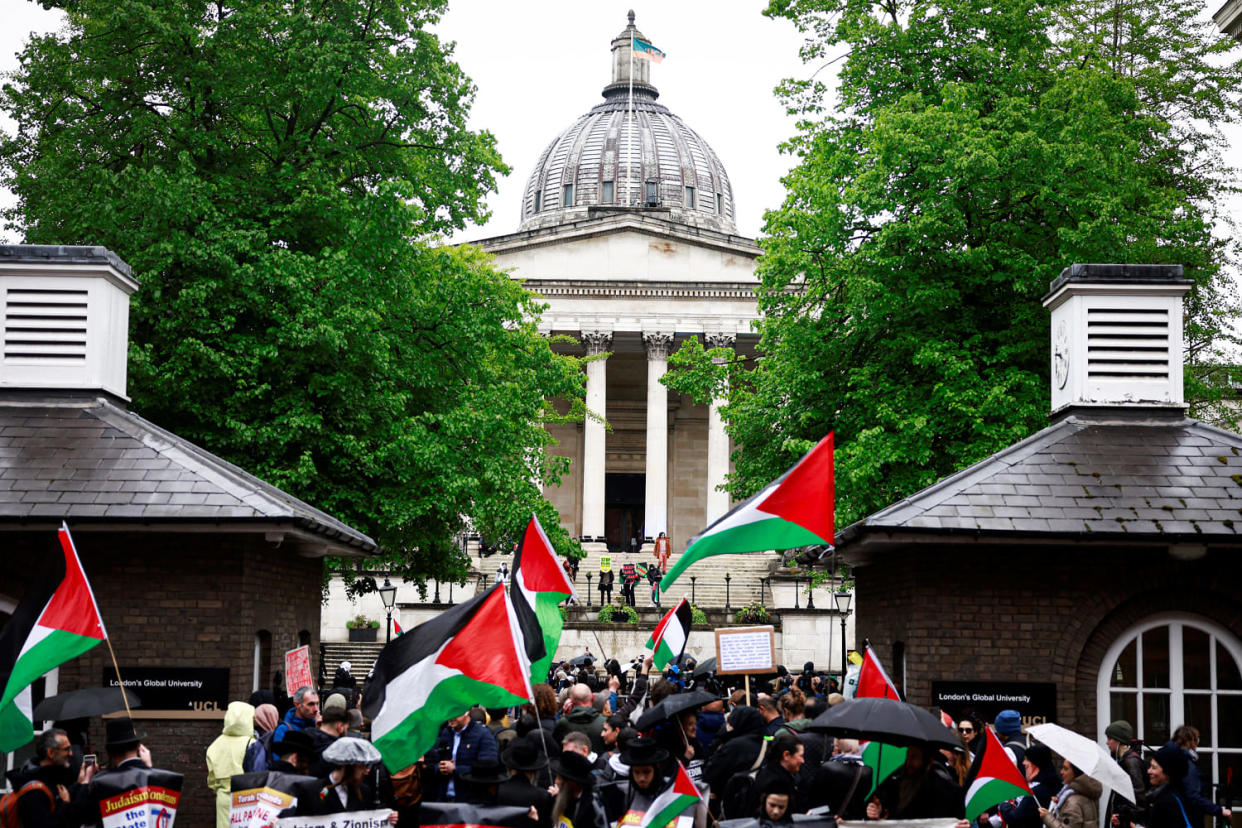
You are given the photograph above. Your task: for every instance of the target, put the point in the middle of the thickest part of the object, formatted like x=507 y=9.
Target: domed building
x=627 y=230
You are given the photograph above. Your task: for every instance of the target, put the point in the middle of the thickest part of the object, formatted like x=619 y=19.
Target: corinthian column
x=596 y=342
x=656 y=497
x=717 y=440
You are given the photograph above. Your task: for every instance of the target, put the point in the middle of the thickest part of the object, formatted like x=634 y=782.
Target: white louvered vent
x=1128 y=343
x=45 y=326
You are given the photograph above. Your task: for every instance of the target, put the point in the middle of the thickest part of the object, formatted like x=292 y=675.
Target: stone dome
x=672 y=171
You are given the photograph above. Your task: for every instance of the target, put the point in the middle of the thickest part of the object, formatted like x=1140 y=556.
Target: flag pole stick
x=124 y=695
x=602 y=652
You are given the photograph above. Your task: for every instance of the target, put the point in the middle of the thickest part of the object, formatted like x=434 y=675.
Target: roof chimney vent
x=1117 y=337
x=65 y=316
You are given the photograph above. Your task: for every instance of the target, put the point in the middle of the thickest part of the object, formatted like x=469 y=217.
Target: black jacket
x=832 y=782
x=36 y=809
x=738 y=748
x=1025 y=814
x=772 y=773
x=936 y=795
x=320 y=798
x=519 y=791
x=1165 y=809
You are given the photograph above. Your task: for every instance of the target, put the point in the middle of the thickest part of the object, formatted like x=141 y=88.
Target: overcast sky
x=540 y=64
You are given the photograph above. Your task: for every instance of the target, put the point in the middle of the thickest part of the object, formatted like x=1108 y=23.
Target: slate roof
x=1086 y=476
x=88 y=458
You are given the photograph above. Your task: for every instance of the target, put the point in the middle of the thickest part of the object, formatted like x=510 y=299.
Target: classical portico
x=627 y=232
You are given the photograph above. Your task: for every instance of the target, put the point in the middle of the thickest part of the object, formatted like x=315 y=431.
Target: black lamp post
x=728 y=578
x=842 y=600
x=797 y=589
x=810 y=593
x=388 y=594
x=589 y=590
x=692 y=580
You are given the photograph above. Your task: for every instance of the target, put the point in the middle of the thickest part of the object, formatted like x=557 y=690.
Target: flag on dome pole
x=794 y=510
x=643 y=50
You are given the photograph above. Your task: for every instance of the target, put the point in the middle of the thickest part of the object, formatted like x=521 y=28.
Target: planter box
x=370 y=634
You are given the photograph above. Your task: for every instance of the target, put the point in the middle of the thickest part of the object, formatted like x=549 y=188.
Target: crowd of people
x=577 y=757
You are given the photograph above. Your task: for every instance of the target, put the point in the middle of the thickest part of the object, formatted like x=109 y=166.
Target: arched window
x=262 y=657
x=1177 y=669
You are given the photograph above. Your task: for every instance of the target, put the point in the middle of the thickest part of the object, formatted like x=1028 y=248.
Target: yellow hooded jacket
x=226 y=754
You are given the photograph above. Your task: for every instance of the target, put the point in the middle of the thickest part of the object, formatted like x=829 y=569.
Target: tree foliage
x=277 y=174
x=975 y=148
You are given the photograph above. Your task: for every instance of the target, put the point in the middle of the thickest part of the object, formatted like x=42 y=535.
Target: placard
x=137 y=797
x=297 y=670
x=352 y=819
x=174 y=688
x=745 y=650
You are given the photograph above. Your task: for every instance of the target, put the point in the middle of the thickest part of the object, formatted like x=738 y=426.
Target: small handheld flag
x=670 y=635
x=993 y=778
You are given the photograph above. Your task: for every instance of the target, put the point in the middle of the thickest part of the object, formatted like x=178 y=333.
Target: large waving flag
x=874 y=683
x=993 y=778
x=56 y=621
x=539 y=578
x=682 y=794
x=670 y=635
x=643 y=50
x=796 y=510
x=470 y=654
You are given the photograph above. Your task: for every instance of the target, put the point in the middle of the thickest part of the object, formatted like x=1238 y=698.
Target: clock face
x=1060 y=354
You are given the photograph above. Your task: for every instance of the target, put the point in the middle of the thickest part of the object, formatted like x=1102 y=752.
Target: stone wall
x=182 y=600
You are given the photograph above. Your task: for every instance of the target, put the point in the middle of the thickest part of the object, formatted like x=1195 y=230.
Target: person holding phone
x=462 y=742
x=42 y=784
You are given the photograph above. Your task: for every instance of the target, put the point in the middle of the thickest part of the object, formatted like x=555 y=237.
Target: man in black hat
x=525 y=758
x=125 y=752
x=481 y=782
x=648 y=778
x=296 y=750
x=574 y=805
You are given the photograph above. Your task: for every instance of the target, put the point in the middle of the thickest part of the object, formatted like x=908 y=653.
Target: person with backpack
x=783 y=770
x=1186 y=738
x=226 y=756
x=1008 y=727
x=730 y=772
x=1165 y=808
x=41 y=787
x=1119 y=736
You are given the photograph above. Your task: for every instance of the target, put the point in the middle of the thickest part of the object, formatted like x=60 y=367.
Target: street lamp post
x=842 y=600
x=589 y=589
x=728 y=578
x=388 y=594
x=692 y=580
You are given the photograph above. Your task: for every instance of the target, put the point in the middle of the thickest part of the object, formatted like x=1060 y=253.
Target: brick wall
x=176 y=600
x=1030 y=612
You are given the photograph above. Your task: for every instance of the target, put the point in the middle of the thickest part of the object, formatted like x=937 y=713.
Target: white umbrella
x=350 y=750
x=1086 y=755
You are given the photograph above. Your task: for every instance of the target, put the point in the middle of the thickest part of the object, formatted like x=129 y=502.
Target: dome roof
x=674 y=171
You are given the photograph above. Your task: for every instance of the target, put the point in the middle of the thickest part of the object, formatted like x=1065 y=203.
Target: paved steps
x=359 y=655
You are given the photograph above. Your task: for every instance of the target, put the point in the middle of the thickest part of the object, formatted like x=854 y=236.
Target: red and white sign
x=297 y=670
x=145 y=807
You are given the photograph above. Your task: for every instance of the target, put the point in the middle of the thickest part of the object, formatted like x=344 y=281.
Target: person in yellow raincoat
x=226 y=754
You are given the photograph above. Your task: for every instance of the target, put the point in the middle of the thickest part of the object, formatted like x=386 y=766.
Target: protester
x=333 y=724
x=646 y=761
x=1042 y=777
x=774 y=805
x=303 y=714
x=842 y=783
x=919 y=789
x=783 y=767
x=42 y=784
x=1165 y=809
x=1008 y=727
x=344 y=677
x=226 y=756
x=1186 y=737
x=1119 y=736
x=1076 y=805
x=462 y=742
x=582 y=718
x=345 y=789
x=770 y=711
x=481 y=783
x=606 y=578
x=525 y=758
x=654 y=574
x=573 y=805
x=972 y=732
x=126 y=751
x=738 y=752
x=293 y=753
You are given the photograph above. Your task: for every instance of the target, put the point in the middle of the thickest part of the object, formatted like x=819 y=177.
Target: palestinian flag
x=645 y=51
x=993 y=778
x=539 y=578
x=396 y=626
x=470 y=654
x=670 y=636
x=682 y=794
x=56 y=621
x=874 y=683
x=796 y=510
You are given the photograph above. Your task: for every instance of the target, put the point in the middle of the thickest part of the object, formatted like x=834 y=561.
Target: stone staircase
x=745 y=572
x=359 y=655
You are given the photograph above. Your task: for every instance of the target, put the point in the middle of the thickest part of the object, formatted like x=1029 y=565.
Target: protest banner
x=298 y=670
x=259 y=797
x=137 y=797
x=350 y=819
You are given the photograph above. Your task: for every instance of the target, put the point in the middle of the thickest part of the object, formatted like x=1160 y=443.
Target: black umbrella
x=674 y=704
x=578 y=661
x=887 y=721
x=81 y=704
x=706 y=667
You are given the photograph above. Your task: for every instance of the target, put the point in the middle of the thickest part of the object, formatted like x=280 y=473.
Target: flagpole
x=629 y=130
x=124 y=696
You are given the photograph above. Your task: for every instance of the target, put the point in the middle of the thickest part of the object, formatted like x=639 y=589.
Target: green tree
x=277 y=174
x=975 y=149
